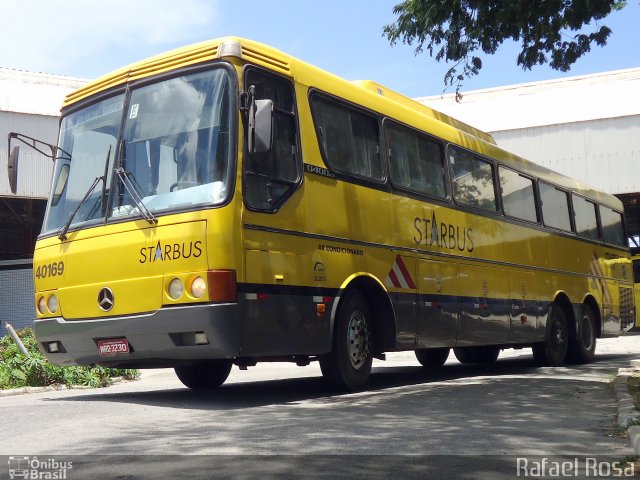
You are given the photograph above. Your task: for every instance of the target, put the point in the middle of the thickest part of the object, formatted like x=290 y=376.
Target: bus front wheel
x=348 y=365
x=209 y=374
x=553 y=351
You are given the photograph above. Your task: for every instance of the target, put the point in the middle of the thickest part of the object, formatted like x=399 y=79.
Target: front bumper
x=154 y=338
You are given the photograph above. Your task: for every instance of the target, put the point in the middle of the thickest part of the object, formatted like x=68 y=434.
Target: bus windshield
x=175 y=152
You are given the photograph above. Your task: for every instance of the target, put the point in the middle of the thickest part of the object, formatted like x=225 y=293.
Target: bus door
x=276 y=308
x=438 y=317
x=524 y=306
x=484 y=306
x=402 y=291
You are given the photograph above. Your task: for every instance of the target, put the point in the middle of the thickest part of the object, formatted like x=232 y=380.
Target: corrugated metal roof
x=35 y=93
x=566 y=100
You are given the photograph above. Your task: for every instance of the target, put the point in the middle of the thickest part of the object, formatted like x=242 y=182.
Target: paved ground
x=495 y=413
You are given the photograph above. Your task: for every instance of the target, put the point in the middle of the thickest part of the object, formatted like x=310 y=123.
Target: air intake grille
x=627 y=317
x=262 y=57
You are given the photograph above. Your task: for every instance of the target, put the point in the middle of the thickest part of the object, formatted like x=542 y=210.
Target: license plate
x=113 y=347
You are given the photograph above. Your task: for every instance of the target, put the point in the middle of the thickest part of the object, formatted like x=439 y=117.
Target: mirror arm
x=38 y=146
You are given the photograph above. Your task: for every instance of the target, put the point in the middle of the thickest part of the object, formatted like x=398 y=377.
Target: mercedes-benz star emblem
x=105 y=299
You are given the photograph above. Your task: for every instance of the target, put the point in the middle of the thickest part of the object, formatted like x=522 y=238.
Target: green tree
x=557 y=32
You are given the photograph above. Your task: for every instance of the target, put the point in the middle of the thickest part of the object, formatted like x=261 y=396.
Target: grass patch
x=616 y=431
x=17 y=371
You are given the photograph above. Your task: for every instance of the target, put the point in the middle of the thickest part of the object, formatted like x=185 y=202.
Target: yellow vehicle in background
x=226 y=203
x=635 y=258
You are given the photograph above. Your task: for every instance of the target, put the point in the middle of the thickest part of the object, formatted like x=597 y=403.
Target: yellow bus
x=226 y=203
x=635 y=258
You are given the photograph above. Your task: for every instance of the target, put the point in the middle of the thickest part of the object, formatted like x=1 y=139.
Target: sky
x=88 y=38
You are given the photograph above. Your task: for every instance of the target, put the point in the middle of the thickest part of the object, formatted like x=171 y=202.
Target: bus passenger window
x=349 y=139
x=472 y=180
x=555 y=207
x=518 y=195
x=415 y=163
x=612 y=229
x=586 y=219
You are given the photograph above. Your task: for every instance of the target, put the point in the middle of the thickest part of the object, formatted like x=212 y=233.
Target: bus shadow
x=242 y=395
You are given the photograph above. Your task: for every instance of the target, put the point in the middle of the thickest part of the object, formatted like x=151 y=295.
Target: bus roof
x=372 y=94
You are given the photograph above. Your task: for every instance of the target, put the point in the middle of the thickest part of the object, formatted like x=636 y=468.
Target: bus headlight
x=42 y=306
x=52 y=303
x=198 y=287
x=176 y=288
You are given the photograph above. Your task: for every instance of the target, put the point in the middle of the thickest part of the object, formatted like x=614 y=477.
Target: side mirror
x=260 y=131
x=12 y=168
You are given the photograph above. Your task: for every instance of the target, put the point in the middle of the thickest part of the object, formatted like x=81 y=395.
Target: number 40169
x=50 y=270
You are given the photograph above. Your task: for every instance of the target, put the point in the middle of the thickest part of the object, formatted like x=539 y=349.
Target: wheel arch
x=382 y=312
x=562 y=299
x=590 y=301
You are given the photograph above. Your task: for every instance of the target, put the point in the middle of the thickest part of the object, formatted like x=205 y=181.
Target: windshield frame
x=113 y=180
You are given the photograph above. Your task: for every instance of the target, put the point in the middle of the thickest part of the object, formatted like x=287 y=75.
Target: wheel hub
x=587 y=333
x=358 y=340
x=559 y=335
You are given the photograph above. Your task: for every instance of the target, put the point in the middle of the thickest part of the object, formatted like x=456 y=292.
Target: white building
x=586 y=127
x=29 y=104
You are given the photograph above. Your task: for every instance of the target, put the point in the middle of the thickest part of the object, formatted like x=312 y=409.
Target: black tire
x=432 y=357
x=209 y=374
x=582 y=348
x=485 y=354
x=348 y=365
x=463 y=355
x=553 y=351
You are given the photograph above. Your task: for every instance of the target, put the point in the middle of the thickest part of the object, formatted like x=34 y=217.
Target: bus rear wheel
x=432 y=357
x=348 y=365
x=582 y=349
x=208 y=374
x=485 y=354
x=553 y=351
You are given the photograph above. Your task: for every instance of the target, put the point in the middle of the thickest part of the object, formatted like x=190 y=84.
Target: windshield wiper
x=104 y=183
x=131 y=190
x=63 y=232
x=62 y=235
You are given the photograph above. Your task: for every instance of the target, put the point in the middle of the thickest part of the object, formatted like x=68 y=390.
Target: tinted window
x=586 y=219
x=349 y=139
x=555 y=207
x=636 y=271
x=472 y=180
x=612 y=230
x=518 y=195
x=415 y=162
x=177 y=142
